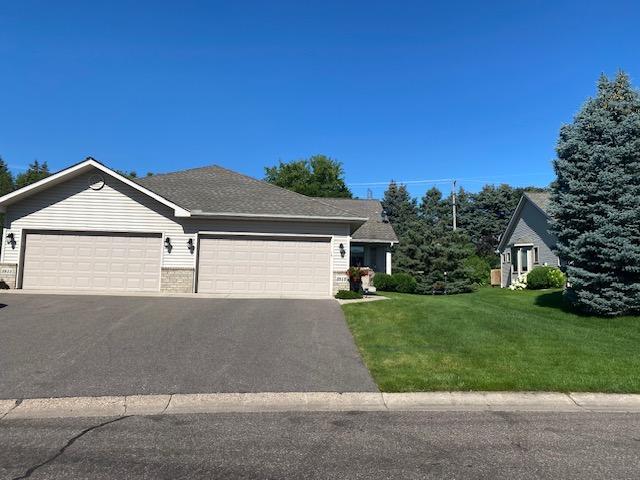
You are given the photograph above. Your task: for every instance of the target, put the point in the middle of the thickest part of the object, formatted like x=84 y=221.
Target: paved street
x=57 y=346
x=325 y=445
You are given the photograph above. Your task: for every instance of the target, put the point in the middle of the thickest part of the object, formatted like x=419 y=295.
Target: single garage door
x=269 y=266
x=87 y=261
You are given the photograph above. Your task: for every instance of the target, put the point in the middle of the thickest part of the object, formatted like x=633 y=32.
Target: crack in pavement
x=16 y=405
x=71 y=441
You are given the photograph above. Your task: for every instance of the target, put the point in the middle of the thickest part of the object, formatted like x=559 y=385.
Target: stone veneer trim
x=177 y=280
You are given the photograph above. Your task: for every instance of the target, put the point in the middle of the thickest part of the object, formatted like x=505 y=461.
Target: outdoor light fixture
x=342 y=250
x=10 y=238
x=190 y=243
x=167 y=242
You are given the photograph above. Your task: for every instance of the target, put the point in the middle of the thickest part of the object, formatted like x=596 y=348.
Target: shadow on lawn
x=557 y=301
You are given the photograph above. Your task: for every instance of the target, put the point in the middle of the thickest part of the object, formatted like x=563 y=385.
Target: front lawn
x=494 y=340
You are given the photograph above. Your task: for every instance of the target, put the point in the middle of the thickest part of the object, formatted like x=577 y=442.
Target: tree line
x=429 y=246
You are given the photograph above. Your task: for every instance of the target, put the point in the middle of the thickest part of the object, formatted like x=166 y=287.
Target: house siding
x=117 y=207
x=532 y=227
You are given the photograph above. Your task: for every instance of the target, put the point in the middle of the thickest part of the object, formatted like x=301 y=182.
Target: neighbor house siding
x=117 y=207
x=532 y=227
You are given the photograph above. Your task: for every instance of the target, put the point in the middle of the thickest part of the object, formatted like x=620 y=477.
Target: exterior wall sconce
x=167 y=243
x=10 y=239
x=190 y=245
x=342 y=250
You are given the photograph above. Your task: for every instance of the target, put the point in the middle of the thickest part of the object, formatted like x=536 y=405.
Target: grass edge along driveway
x=494 y=340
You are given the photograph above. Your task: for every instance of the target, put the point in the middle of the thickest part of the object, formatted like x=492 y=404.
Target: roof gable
x=75 y=170
x=540 y=200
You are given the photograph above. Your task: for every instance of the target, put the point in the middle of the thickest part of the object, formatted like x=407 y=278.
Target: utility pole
x=453 y=197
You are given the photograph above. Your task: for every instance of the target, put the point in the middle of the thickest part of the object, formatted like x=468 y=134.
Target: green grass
x=494 y=340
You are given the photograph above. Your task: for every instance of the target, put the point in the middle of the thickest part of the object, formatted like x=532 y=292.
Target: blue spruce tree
x=596 y=201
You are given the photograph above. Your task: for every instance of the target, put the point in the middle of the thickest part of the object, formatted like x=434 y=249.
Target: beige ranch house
x=205 y=230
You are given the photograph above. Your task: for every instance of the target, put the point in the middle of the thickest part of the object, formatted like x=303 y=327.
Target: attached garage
x=208 y=229
x=264 y=266
x=92 y=261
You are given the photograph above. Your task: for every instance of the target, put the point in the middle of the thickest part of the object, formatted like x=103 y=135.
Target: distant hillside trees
x=316 y=176
x=596 y=200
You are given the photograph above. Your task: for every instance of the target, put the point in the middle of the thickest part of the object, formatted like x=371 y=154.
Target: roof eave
x=373 y=240
x=284 y=217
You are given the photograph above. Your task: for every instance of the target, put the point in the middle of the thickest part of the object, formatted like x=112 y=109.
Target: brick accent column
x=340 y=281
x=177 y=280
x=8 y=275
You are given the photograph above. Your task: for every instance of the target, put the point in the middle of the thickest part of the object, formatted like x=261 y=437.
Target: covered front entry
x=256 y=265
x=92 y=261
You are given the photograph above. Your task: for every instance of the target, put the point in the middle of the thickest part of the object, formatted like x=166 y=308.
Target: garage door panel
x=92 y=262
x=264 y=266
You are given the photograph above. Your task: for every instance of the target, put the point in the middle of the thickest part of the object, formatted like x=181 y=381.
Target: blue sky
x=403 y=90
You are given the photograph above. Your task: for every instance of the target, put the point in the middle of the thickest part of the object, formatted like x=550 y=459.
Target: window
x=536 y=256
x=357 y=256
x=524 y=258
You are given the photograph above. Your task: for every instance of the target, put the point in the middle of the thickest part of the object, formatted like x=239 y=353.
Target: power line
x=447 y=180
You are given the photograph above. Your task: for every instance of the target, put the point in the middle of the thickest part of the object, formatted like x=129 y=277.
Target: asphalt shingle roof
x=541 y=199
x=374 y=228
x=215 y=189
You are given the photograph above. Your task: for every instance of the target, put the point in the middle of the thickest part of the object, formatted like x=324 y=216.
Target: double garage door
x=85 y=261
x=264 y=266
x=131 y=262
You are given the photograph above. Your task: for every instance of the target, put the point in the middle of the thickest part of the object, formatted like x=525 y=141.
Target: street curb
x=118 y=406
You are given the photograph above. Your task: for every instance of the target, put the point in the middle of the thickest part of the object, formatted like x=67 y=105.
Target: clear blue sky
x=404 y=90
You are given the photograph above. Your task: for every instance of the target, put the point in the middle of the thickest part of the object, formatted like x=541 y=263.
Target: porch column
x=387 y=263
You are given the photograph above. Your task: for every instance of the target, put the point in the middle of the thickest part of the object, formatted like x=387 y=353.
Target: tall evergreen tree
x=36 y=171
x=433 y=208
x=596 y=200
x=6 y=179
x=400 y=207
x=6 y=186
x=488 y=218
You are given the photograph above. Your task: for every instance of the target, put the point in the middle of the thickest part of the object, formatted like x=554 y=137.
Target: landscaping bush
x=545 y=277
x=348 y=295
x=405 y=283
x=385 y=282
x=398 y=282
x=479 y=270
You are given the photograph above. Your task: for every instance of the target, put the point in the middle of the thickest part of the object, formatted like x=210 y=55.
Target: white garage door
x=264 y=266
x=83 y=261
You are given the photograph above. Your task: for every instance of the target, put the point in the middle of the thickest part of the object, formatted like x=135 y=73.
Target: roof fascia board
x=76 y=169
x=370 y=240
x=269 y=216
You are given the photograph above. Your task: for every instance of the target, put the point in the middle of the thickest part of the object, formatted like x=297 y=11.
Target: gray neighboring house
x=527 y=242
x=372 y=243
x=204 y=230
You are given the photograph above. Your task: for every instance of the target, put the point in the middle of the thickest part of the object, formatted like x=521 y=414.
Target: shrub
x=348 y=295
x=385 y=282
x=405 y=283
x=545 y=277
x=479 y=270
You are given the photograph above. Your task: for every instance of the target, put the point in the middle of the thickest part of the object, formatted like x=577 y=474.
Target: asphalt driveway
x=60 y=345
